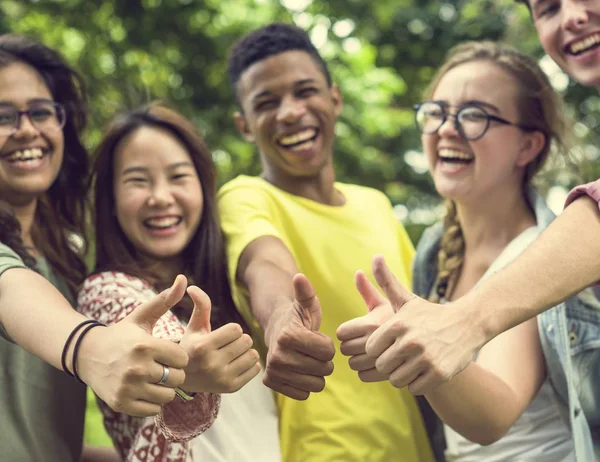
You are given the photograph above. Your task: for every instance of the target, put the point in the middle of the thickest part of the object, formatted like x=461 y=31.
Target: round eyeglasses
x=470 y=121
x=44 y=116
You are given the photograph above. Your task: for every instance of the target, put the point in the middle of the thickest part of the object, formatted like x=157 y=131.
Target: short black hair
x=272 y=39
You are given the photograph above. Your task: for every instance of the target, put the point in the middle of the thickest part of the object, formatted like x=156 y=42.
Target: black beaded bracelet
x=63 y=356
x=78 y=344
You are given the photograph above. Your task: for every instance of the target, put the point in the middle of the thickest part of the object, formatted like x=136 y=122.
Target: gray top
x=42 y=408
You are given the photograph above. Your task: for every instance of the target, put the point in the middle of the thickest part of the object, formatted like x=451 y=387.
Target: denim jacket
x=569 y=335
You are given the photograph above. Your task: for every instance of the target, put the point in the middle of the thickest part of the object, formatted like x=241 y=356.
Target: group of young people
x=186 y=280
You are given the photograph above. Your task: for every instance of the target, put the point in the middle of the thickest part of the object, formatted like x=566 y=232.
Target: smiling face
x=289 y=111
x=158 y=196
x=30 y=159
x=470 y=170
x=569 y=31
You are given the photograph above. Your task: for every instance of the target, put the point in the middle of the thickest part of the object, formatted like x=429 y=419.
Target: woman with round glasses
x=43 y=170
x=489 y=123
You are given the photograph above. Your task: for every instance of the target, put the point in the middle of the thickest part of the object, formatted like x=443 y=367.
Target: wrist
x=479 y=325
x=88 y=353
x=274 y=322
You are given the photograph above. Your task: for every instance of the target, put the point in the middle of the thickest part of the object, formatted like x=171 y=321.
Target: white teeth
x=304 y=135
x=453 y=154
x=306 y=145
x=26 y=154
x=162 y=222
x=584 y=44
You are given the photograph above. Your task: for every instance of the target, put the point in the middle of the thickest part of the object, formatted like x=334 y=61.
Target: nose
x=574 y=15
x=160 y=195
x=290 y=110
x=448 y=128
x=25 y=129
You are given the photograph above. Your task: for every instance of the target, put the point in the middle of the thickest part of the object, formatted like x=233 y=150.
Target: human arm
x=469 y=401
x=510 y=370
x=288 y=311
x=120 y=363
x=111 y=296
x=437 y=344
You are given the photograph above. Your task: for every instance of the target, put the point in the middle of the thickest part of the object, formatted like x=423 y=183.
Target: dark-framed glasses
x=44 y=116
x=470 y=121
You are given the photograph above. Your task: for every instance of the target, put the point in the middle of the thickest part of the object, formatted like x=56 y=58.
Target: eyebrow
x=29 y=101
x=476 y=102
x=472 y=102
x=136 y=169
x=264 y=93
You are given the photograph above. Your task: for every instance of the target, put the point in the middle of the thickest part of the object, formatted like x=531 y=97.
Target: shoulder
x=362 y=192
x=244 y=183
x=9 y=259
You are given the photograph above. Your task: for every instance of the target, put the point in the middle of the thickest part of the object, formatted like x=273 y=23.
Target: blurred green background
x=382 y=54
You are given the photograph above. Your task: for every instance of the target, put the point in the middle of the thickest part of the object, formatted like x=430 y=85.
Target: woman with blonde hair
x=489 y=122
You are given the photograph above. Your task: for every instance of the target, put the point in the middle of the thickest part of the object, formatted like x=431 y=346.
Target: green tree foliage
x=382 y=54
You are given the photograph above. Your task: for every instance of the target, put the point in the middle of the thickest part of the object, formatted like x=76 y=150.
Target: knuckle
x=276 y=360
x=141 y=348
x=133 y=372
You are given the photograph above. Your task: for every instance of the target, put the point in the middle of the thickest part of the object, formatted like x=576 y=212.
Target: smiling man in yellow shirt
x=296 y=218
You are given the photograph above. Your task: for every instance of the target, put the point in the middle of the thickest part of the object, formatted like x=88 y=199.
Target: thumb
x=395 y=292
x=146 y=315
x=200 y=319
x=367 y=290
x=308 y=301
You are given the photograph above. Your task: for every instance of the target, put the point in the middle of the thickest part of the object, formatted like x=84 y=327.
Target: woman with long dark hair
x=156 y=217
x=43 y=170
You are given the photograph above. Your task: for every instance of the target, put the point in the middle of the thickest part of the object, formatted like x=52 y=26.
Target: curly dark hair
x=267 y=41
x=204 y=257
x=60 y=213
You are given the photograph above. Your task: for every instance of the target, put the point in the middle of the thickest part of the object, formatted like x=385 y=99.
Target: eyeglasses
x=44 y=116
x=470 y=121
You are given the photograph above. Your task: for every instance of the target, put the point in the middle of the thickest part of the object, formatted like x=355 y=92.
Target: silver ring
x=164 y=377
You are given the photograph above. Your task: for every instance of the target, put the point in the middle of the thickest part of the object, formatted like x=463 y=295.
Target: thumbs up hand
x=299 y=356
x=424 y=344
x=123 y=363
x=222 y=361
x=354 y=333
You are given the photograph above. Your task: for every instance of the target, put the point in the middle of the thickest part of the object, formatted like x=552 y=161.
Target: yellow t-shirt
x=349 y=420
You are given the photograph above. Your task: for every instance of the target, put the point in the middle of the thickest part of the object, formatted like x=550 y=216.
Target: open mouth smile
x=299 y=141
x=581 y=46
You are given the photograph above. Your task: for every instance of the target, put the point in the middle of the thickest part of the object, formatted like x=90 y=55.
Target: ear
x=242 y=125
x=337 y=99
x=533 y=143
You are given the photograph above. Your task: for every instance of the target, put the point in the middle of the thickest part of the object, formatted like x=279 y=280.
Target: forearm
x=564 y=260
x=469 y=404
x=270 y=288
x=35 y=314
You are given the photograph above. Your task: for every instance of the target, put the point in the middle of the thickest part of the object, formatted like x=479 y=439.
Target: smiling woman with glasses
x=471 y=120
x=503 y=405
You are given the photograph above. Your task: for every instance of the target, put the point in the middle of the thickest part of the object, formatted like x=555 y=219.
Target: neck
x=25 y=214
x=494 y=221
x=319 y=188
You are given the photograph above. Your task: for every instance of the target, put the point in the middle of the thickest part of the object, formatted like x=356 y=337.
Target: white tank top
x=245 y=430
x=540 y=434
